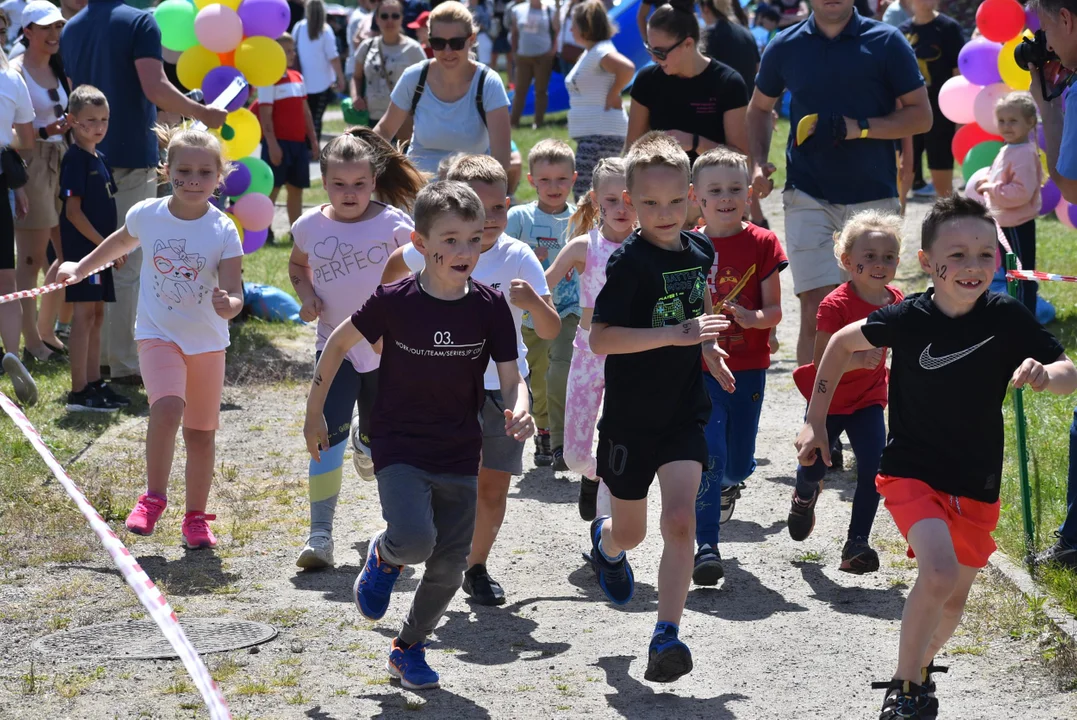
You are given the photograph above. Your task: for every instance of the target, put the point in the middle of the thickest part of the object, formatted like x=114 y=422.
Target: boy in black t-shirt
x=650 y=319
x=955 y=349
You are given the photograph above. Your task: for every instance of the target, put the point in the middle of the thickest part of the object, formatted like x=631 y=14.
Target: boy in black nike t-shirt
x=650 y=319
x=955 y=349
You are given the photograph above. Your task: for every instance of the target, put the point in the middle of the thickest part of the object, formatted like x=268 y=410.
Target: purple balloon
x=220 y=78
x=237 y=181
x=269 y=18
x=1049 y=195
x=1041 y=139
x=1032 y=20
x=254 y=239
x=978 y=62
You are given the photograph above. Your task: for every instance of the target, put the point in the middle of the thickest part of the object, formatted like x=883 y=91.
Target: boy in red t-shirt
x=288 y=130
x=867 y=249
x=747 y=262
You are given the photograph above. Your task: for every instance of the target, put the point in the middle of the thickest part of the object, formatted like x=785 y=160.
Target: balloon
x=230 y=4
x=194 y=64
x=979 y=62
x=1011 y=73
x=261 y=175
x=228 y=58
x=176 y=20
x=974 y=179
x=269 y=18
x=261 y=61
x=254 y=211
x=1067 y=214
x=980 y=156
x=217 y=80
x=968 y=136
x=1000 y=20
x=983 y=107
x=240 y=134
x=218 y=28
x=237 y=181
x=253 y=240
x=237 y=223
x=1032 y=20
x=1050 y=196
x=956 y=99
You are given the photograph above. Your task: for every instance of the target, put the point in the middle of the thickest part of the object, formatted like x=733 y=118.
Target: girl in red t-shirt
x=867 y=249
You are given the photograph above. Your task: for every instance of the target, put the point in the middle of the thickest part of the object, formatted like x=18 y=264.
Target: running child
x=607 y=220
x=867 y=249
x=650 y=319
x=956 y=348
x=744 y=283
x=543 y=224
x=191 y=286
x=504 y=263
x=340 y=250
x=440 y=329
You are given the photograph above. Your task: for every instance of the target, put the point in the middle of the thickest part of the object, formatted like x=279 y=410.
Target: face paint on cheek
x=703 y=202
x=859 y=269
x=940 y=271
x=178 y=183
x=439 y=258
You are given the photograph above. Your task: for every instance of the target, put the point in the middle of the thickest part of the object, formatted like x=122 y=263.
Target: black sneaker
x=837 y=459
x=708 y=568
x=615 y=578
x=30 y=360
x=1061 y=553
x=903 y=699
x=105 y=390
x=559 y=463
x=929 y=704
x=88 y=400
x=543 y=453
x=730 y=495
x=802 y=515
x=482 y=588
x=588 y=498
x=858 y=558
x=667 y=659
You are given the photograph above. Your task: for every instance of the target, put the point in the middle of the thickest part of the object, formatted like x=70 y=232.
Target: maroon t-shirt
x=430 y=388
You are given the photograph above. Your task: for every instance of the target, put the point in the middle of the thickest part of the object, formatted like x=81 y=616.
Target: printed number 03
x=442 y=338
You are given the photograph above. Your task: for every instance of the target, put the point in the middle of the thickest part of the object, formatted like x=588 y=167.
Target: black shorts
x=628 y=460
x=7 y=228
x=96 y=288
x=938 y=141
x=294 y=168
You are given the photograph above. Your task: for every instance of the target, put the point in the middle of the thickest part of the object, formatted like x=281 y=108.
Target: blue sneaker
x=667 y=659
x=410 y=668
x=927 y=191
x=374 y=586
x=615 y=578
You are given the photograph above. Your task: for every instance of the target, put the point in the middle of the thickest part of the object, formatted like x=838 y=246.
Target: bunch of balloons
x=219 y=41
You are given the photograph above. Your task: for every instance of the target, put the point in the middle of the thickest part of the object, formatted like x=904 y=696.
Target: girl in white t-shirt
x=191 y=286
x=340 y=251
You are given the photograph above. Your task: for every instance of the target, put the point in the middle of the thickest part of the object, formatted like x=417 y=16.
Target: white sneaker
x=364 y=464
x=25 y=387
x=317 y=553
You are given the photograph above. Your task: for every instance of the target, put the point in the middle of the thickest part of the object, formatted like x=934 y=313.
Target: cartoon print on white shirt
x=178 y=271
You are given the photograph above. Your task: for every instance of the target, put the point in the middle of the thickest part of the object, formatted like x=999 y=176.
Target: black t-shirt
x=648 y=287
x=948 y=380
x=937 y=46
x=88 y=177
x=733 y=44
x=694 y=105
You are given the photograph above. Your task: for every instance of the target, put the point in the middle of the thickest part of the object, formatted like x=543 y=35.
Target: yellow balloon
x=193 y=65
x=239 y=226
x=241 y=135
x=1013 y=74
x=232 y=4
x=261 y=60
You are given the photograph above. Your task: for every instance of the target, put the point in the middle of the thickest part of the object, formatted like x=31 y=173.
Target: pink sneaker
x=196 y=532
x=146 y=513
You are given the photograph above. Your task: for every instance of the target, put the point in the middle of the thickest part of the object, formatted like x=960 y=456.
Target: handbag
x=13 y=167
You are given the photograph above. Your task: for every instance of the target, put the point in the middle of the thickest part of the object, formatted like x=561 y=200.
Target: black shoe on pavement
x=482 y=588
x=543 y=453
x=105 y=390
x=89 y=400
x=802 y=515
x=708 y=568
x=588 y=498
x=858 y=558
x=837 y=458
x=559 y=463
x=902 y=702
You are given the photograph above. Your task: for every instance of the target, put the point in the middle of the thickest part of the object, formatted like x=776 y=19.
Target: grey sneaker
x=364 y=464
x=25 y=387
x=317 y=553
x=730 y=495
x=1061 y=553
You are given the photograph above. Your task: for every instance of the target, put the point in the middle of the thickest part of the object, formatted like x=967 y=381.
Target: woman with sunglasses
x=446 y=106
x=382 y=59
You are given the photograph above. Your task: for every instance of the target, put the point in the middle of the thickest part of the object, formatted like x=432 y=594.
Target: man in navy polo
x=117 y=49
x=852 y=72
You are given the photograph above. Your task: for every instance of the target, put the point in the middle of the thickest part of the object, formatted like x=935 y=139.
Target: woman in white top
x=319 y=61
x=534 y=25
x=382 y=59
x=447 y=118
x=568 y=51
x=596 y=117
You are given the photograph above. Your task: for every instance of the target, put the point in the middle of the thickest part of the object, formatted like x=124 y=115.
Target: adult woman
x=319 y=60
x=534 y=33
x=698 y=101
x=568 y=48
x=43 y=74
x=596 y=116
x=446 y=107
x=382 y=59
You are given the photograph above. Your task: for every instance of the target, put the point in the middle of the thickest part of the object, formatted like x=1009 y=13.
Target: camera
x=1033 y=51
x=1053 y=77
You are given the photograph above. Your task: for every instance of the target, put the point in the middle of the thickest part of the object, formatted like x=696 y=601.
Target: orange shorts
x=971 y=522
x=197 y=380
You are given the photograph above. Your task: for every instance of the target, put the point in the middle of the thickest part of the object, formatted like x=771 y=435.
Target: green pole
x=1022 y=447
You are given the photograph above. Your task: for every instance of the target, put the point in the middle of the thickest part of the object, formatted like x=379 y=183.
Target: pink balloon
x=956 y=99
x=255 y=211
x=970 y=185
x=983 y=107
x=218 y=28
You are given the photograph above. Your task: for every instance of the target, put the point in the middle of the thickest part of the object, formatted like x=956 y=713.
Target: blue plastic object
x=1045 y=311
x=270 y=303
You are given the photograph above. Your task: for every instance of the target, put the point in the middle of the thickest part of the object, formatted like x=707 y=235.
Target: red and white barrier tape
x=1006 y=245
x=51 y=287
x=148 y=594
x=1037 y=275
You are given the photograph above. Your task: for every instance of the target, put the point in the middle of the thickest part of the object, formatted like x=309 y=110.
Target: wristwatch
x=864 y=127
x=42 y=133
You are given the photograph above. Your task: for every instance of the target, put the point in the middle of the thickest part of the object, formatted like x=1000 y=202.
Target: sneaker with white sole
x=708 y=568
x=196 y=532
x=730 y=495
x=317 y=553
x=408 y=665
x=364 y=464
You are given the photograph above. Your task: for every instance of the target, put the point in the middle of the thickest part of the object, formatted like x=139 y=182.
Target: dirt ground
x=785 y=635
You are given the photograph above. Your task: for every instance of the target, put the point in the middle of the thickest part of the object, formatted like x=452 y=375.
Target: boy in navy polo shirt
x=87 y=218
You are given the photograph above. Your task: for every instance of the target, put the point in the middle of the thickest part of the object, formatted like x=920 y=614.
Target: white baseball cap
x=40 y=12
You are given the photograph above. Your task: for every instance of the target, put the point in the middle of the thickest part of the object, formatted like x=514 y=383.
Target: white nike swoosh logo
x=927 y=362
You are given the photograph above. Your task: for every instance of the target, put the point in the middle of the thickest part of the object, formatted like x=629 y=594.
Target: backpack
x=421 y=87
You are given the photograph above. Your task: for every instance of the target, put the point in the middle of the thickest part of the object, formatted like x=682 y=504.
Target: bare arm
x=641 y=19
x=572 y=257
x=395 y=267
x=500 y=130
x=770 y=314
x=912 y=117
x=339 y=72
x=358 y=101
x=228 y=297
x=391 y=122
x=735 y=124
x=617 y=340
x=639 y=122
x=760 y=128
x=114 y=246
x=75 y=215
x=301 y=275
x=340 y=341
x=620 y=67
x=159 y=91
x=1053 y=125
x=1057 y=378
x=518 y=422
x=25 y=134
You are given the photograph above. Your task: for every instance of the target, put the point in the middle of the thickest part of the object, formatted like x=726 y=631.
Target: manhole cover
x=142 y=640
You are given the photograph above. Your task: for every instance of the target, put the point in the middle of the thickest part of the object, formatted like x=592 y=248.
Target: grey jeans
x=429 y=517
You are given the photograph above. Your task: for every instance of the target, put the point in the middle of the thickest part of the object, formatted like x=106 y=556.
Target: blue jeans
x=730 y=433
x=1069 y=525
x=866 y=429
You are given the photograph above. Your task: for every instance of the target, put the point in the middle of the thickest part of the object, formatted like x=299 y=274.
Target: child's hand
x=222 y=303
x=68 y=272
x=810 y=439
x=542 y=254
x=1033 y=374
x=276 y=155
x=316 y=433
x=312 y=309
x=519 y=426
x=119 y=262
x=866 y=359
x=522 y=295
x=982 y=185
x=698 y=330
x=747 y=319
x=715 y=357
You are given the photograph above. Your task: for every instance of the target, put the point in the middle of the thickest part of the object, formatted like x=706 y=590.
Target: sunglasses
x=453 y=43
x=54 y=95
x=663 y=53
x=389 y=16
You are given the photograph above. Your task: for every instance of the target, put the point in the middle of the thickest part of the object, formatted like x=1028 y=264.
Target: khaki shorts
x=43 y=185
x=810 y=225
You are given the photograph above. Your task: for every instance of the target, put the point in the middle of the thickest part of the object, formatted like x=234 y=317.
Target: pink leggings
x=586 y=381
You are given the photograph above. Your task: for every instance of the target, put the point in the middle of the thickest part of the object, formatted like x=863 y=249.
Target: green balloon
x=176 y=20
x=980 y=156
x=261 y=175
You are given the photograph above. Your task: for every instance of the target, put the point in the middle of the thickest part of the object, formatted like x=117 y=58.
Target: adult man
x=117 y=49
x=852 y=72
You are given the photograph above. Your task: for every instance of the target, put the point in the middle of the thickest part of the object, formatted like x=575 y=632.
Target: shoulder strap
x=419 y=87
x=479 y=94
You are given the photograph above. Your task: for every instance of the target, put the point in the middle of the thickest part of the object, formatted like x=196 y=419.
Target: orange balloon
x=228 y=58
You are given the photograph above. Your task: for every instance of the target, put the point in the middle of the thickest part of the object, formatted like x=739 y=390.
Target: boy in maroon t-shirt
x=440 y=331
